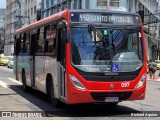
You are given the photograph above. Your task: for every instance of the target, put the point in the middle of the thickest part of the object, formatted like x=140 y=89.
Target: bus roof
x=43 y=21
x=64 y=13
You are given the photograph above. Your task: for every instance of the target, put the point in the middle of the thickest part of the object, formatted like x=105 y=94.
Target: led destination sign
x=104 y=18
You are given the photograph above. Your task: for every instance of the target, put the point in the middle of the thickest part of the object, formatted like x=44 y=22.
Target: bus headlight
x=76 y=82
x=141 y=81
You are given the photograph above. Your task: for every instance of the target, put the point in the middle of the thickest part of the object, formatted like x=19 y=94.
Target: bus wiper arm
x=119 y=34
x=116 y=38
x=94 y=30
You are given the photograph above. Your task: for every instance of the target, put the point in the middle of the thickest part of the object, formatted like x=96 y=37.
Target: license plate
x=111 y=99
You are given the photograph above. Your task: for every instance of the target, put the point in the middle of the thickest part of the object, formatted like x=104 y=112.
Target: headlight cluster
x=76 y=82
x=141 y=81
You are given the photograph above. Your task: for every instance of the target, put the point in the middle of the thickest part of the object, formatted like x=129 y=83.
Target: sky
x=2 y=3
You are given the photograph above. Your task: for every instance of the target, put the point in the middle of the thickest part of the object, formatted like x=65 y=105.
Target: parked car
x=10 y=62
x=4 y=60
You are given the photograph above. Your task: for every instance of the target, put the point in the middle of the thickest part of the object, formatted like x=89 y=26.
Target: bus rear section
x=105 y=58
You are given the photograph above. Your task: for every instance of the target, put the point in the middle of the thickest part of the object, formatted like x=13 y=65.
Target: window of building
x=52 y=2
x=28 y=13
x=34 y=9
x=31 y=11
x=114 y=3
x=102 y=3
x=47 y=3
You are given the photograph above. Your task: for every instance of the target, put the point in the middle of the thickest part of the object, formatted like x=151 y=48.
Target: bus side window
x=26 y=42
x=21 y=43
x=50 y=38
x=17 y=44
x=41 y=41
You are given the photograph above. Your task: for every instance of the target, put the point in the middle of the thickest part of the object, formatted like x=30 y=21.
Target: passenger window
x=21 y=43
x=50 y=38
x=17 y=44
x=40 y=40
x=26 y=43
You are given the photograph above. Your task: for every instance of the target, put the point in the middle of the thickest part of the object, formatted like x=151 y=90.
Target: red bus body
x=95 y=91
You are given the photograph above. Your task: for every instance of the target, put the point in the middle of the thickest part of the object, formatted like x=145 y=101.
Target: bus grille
x=100 y=96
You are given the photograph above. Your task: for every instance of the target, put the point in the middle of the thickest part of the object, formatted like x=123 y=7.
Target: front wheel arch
x=50 y=91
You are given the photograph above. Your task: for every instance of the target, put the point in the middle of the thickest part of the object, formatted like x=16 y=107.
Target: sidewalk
x=157 y=76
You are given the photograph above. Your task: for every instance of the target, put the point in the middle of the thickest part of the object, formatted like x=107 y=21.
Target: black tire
x=24 y=86
x=114 y=104
x=50 y=93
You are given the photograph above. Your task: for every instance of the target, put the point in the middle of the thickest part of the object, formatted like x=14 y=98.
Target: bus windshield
x=104 y=49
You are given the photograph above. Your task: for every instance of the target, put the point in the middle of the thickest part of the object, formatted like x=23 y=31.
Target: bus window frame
x=45 y=47
x=43 y=26
x=17 y=44
x=61 y=25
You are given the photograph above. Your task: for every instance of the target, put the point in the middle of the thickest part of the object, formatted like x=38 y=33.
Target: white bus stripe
x=13 y=80
x=3 y=84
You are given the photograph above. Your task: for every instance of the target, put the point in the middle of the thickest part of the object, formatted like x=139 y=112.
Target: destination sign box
x=104 y=18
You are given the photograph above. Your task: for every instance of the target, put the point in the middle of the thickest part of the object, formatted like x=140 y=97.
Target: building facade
x=2 y=29
x=18 y=13
x=12 y=23
x=151 y=25
x=50 y=7
x=30 y=10
x=149 y=7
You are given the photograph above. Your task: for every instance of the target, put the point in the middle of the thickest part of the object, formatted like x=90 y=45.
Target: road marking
x=3 y=84
x=13 y=80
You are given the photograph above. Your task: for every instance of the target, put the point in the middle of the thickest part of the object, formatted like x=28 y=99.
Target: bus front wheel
x=50 y=92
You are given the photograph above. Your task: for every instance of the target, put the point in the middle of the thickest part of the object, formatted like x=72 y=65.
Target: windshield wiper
x=102 y=37
x=91 y=27
x=116 y=38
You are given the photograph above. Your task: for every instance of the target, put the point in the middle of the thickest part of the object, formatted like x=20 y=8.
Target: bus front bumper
x=91 y=96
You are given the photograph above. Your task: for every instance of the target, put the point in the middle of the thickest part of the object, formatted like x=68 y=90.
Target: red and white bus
x=83 y=56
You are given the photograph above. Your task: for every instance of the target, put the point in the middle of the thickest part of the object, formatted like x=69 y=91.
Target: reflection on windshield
x=92 y=54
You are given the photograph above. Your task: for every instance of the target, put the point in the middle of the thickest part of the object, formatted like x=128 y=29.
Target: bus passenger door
x=32 y=59
x=61 y=58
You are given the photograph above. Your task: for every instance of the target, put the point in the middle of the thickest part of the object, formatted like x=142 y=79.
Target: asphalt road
x=13 y=98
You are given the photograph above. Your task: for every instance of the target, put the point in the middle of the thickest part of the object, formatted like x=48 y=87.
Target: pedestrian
x=152 y=69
